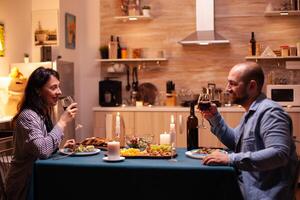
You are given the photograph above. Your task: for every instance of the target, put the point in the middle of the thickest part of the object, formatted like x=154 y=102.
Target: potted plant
x=26 y=58
x=104 y=52
x=146 y=10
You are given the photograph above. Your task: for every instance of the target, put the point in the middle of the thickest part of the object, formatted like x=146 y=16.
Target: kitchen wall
x=193 y=66
x=16 y=17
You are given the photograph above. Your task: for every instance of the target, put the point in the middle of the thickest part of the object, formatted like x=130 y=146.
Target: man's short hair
x=253 y=72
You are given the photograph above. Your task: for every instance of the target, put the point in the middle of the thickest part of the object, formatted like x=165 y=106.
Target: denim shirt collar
x=254 y=106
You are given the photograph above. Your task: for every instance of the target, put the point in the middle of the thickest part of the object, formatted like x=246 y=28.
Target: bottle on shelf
x=112 y=48
x=119 y=49
x=192 y=129
x=252 y=45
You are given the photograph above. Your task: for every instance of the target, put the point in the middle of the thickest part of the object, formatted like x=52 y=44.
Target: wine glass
x=173 y=144
x=204 y=102
x=67 y=101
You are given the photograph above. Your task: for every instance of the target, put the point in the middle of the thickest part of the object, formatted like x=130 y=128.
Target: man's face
x=237 y=89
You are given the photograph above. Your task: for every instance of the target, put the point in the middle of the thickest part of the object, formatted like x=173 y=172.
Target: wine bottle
x=119 y=49
x=112 y=48
x=192 y=129
x=252 y=45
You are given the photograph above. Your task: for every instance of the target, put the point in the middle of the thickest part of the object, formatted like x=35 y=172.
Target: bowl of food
x=138 y=142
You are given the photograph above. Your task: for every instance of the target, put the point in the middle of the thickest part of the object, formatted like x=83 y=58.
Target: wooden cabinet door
x=232 y=119
x=154 y=123
x=102 y=118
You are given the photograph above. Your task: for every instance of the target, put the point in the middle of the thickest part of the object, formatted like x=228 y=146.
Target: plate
x=194 y=154
x=66 y=151
x=115 y=160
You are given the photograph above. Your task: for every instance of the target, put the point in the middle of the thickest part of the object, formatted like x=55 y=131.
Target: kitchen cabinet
x=102 y=118
x=147 y=122
x=150 y=121
x=296 y=129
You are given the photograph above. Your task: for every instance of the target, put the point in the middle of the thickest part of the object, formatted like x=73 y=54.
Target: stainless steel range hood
x=205 y=33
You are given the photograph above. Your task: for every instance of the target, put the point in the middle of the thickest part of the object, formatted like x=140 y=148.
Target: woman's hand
x=68 y=115
x=70 y=144
x=217 y=157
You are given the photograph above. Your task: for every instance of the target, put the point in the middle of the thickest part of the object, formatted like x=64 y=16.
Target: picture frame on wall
x=2 y=41
x=70 y=31
x=45 y=27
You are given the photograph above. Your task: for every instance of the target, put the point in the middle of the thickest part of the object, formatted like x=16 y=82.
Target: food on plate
x=159 y=149
x=206 y=150
x=82 y=148
x=138 y=142
x=96 y=141
x=132 y=152
x=152 y=150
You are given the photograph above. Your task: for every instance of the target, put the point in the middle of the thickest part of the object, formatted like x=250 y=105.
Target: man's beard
x=240 y=100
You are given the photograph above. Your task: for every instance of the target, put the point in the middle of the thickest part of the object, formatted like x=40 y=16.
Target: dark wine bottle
x=192 y=129
x=119 y=49
x=253 y=44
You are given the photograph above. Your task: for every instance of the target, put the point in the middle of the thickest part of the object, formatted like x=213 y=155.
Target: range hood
x=205 y=33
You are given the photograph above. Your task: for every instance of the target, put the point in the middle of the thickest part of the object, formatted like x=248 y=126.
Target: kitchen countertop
x=174 y=109
x=4 y=119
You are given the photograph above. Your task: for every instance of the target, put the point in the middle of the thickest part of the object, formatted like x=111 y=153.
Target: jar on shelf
x=284 y=50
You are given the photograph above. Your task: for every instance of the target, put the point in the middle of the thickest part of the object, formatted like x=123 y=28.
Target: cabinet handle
x=180 y=124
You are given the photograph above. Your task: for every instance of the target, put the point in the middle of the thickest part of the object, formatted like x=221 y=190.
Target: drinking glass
x=173 y=145
x=67 y=101
x=204 y=102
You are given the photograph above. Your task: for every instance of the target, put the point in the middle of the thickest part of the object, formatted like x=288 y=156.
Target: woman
x=35 y=136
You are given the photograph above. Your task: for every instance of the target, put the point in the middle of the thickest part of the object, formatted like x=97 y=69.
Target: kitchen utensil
x=148 y=93
x=127 y=74
x=135 y=79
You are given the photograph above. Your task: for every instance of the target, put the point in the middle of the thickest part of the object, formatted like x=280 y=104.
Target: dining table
x=91 y=177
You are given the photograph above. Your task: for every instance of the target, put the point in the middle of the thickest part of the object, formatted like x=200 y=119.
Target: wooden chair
x=6 y=152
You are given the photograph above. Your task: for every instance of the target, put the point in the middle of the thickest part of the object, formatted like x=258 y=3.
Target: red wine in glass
x=204 y=105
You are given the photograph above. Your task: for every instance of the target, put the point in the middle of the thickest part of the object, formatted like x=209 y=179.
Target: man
x=264 y=152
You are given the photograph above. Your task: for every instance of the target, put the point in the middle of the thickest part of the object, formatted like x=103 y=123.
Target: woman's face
x=51 y=91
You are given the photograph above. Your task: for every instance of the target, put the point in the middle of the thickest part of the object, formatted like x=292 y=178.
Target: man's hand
x=209 y=113
x=217 y=157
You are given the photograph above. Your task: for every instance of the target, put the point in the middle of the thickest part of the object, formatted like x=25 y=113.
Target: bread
x=96 y=141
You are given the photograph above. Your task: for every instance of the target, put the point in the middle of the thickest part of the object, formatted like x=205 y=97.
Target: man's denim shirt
x=264 y=150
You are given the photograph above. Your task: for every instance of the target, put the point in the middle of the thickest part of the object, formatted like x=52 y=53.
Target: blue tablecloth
x=89 y=177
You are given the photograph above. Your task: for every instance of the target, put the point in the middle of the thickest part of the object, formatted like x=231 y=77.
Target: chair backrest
x=296 y=178
x=6 y=152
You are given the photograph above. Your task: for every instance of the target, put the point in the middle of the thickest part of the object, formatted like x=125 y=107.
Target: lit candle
x=172 y=124
x=118 y=125
x=113 y=150
x=164 y=138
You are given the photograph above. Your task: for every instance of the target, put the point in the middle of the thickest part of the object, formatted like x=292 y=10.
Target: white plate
x=115 y=160
x=193 y=154
x=66 y=151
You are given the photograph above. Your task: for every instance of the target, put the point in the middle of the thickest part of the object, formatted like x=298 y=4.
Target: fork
x=64 y=156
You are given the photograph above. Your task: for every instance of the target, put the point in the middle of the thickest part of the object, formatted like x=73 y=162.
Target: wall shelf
x=133 y=18
x=132 y=60
x=272 y=58
x=282 y=13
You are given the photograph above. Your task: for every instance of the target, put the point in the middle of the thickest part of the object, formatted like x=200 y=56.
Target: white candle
x=172 y=120
x=108 y=126
x=113 y=150
x=118 y=125
x=164 y=138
